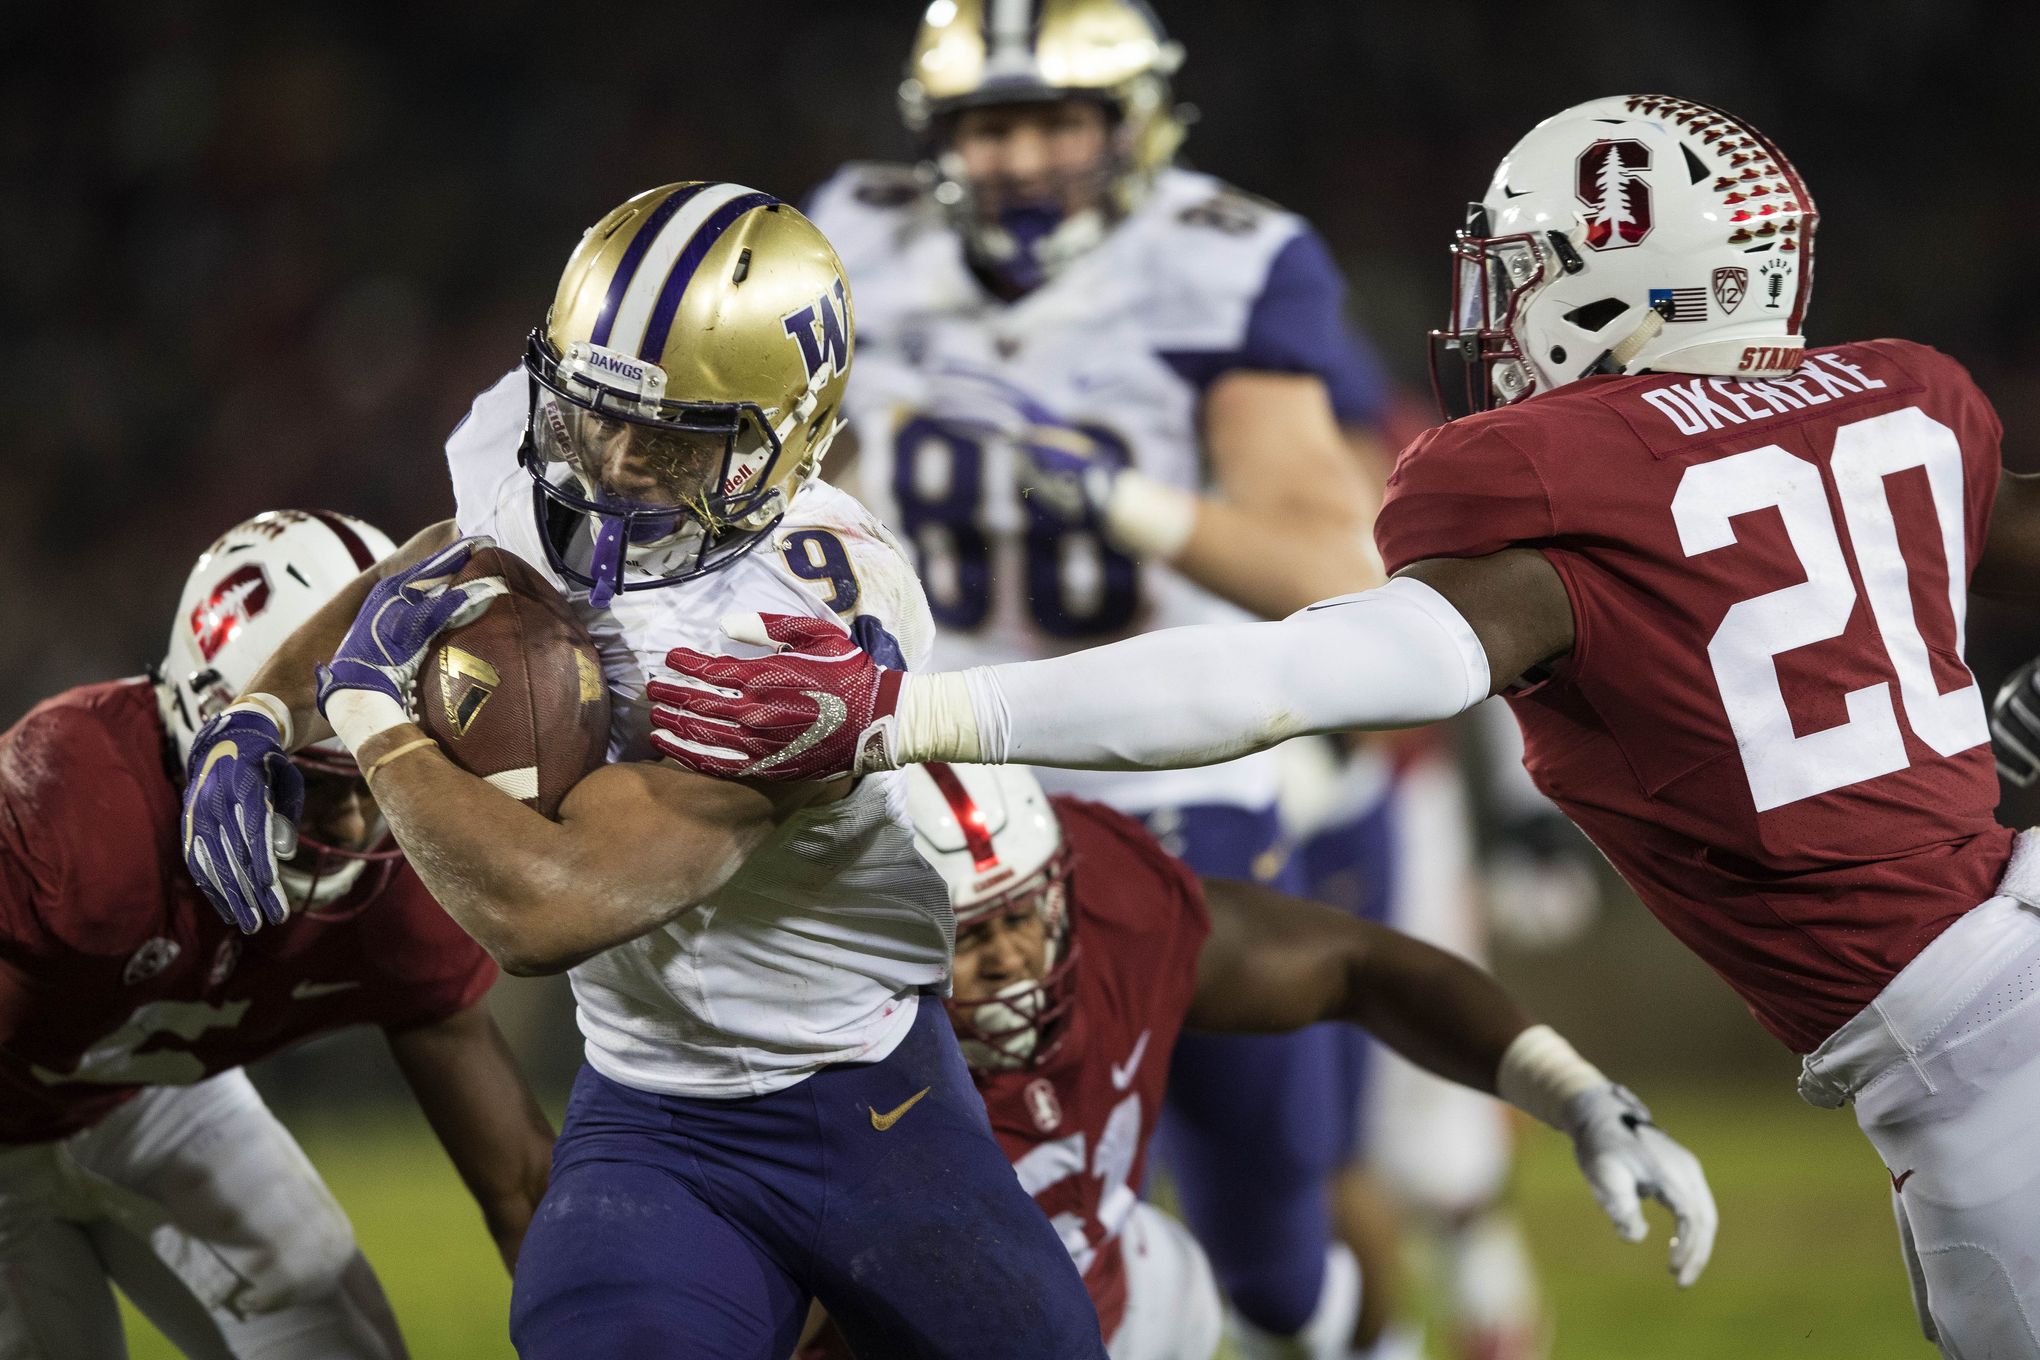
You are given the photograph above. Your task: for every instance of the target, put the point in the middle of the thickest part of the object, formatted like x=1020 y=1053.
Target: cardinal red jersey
x=1076 y=1128
x=115 y=973
x=1765 y=721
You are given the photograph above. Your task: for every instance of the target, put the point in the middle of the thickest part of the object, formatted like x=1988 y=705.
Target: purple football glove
x=398 y=621
x=242 y=799
x=1062 y=469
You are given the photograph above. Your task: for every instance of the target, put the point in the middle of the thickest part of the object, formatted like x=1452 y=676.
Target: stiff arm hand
x=242 y=794
x=1396 y=656
x=242 y=799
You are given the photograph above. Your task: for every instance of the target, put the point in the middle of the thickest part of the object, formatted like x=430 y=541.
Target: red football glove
x=818 y=707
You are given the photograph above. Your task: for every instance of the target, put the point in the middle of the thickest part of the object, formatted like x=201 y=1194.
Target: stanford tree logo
x=1610 y=182
x=219 y=616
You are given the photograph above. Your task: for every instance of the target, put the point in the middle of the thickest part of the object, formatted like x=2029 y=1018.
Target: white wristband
x=359 y=714
x=938 y=719
x=1541 y=1074
x=270 y=707
x=1147 y=518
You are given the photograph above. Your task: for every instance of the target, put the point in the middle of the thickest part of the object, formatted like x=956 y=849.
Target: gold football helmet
x=979 y=52
x=685 y=384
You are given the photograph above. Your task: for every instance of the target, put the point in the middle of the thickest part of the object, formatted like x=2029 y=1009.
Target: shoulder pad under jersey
x=839 y=553
x=866 y=207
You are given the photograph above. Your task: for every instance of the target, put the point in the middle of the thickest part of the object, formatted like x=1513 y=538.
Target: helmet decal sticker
x=1680 y=304
x=1774 y=272
x=220 y=616
x=819 y=331
x=1610 y=182
x=1731 y=284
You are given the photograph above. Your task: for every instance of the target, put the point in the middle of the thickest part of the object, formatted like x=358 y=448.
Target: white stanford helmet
x=248 y=592
x=992 y=834
x=1631 y=233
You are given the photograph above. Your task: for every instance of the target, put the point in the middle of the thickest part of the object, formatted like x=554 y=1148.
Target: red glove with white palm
x=819 y=706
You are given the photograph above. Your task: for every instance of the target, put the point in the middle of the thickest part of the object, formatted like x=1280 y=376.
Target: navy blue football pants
x=1255 y=1125
x=685 y=1229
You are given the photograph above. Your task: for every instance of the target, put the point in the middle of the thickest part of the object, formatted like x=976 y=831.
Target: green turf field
x=1806 y=1264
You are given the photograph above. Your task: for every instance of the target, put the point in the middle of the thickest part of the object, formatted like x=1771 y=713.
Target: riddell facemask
x=667 y=490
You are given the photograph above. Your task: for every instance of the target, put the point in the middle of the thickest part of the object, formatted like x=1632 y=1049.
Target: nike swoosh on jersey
x=1122 y=1077
x=310 y=991
x=882 y=1122
x=830 y=713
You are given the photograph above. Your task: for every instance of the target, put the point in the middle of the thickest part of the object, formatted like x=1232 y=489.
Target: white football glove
x=1626 y=1158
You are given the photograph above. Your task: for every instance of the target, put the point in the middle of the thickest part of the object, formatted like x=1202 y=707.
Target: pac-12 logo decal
x=822 y=329
x=1610 y=182
x=220 y=615
x=1731 y=285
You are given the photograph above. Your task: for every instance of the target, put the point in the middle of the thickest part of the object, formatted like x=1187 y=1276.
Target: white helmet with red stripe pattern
x=1624 y=234
x=992 y=834
x=249 y=591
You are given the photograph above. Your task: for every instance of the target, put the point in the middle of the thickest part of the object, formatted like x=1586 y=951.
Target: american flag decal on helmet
x=1680 y=304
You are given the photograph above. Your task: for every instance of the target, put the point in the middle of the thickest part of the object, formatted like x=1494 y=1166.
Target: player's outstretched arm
x=476 y=1100
x=1273 y=963
x=1428 y=645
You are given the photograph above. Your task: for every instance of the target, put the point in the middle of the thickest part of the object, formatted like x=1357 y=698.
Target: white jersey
x=1120 y=342
x=816 y=951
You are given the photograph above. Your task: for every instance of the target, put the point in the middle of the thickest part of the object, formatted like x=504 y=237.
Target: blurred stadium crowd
x=259 y=255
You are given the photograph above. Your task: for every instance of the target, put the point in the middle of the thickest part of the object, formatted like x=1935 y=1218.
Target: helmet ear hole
x=1595 y=315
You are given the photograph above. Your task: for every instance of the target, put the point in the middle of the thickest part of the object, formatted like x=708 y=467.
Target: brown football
x=517 y=696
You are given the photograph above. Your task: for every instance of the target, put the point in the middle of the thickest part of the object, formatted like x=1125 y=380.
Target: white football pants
x=1944 y=1070
x=203 y=1209
x=1172 y=1305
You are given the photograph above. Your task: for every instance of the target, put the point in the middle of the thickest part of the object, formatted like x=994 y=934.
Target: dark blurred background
x=260 y=255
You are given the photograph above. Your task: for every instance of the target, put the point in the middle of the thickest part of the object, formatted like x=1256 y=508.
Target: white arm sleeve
x=1396 y=656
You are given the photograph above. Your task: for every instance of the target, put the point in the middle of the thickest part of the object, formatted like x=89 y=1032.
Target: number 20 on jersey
x=1784 y=766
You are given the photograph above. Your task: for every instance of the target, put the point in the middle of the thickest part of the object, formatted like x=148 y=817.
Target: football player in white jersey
x=769 y=1112
x=1102 y=394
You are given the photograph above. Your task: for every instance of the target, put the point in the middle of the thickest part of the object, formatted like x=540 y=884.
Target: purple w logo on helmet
x=821 y=331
